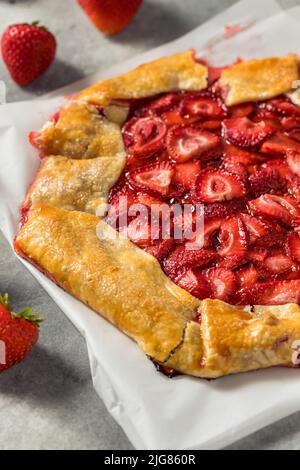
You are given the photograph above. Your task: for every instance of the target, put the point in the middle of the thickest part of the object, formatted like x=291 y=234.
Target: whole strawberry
x=111 y=16
x=19 y=333
x=27 y=50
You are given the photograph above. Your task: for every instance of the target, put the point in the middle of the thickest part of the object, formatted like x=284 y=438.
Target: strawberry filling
x=186 y=142
x=144 y=135
x=242 y=164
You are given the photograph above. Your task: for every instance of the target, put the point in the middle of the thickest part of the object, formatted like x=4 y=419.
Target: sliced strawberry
x=186 y=143
x=161 y=249
x=245 y=133
x=183 y=225
x=144 y=135
x=164 y=103
x=292 y=274
x=257 y=255
x=283 y=208
x=283 y=108
x=139 y=231
x=148 y=200
x=242 y=110
x=223 y=283
x=203 y=107
x=119 y=203
x=195 y=283
x=294 y=134
x=173 y=118
x=233 y=239
x=264 y=114
x=236 y=169
x=268 y=180
x=255 y=227
x=274 y=238
x=186 y=174
x=218 y=185
x=290 y=123
x=293 y=185
x=296 y=225
x=247 y=276
x=280 y=165
x=279 y=144
x=236 y=155
x=214 y=73
x=182 y=258
x=211 y=230
x=156 y=177
x=211 y=125
x=293 y=243
x=224 y=209
x=35 y=138
x=278 y=263
x=293 y=161
x=270 y=293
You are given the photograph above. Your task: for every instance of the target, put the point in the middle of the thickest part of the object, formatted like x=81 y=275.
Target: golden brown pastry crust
x=128 y=287
x=74 y=184
x=81 y=132
x=173 y=73
x=257 y=80
x=230 y=340
x=113 y=277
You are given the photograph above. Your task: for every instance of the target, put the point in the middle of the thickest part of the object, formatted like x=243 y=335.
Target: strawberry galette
x=177 y=133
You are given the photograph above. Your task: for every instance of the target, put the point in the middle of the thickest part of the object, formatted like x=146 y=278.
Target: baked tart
x=177 y=132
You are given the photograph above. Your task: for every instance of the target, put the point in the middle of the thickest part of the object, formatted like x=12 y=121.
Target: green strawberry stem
x=37 y=23
x=4 y=301
x=26 y=314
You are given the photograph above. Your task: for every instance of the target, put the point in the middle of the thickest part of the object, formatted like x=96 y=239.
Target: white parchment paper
x=156 y=412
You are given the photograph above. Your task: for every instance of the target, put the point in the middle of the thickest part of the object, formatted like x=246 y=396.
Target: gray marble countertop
x=48 y=401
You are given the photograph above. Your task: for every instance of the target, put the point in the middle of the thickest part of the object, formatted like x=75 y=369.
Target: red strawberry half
x=186 y=143
x=144 y=135
x=218 y=185
x=245 y=133
x=156 y=177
